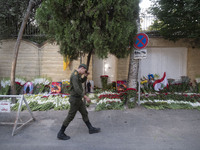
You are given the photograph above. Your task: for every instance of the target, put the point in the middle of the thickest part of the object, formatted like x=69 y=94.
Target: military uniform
x=76 y=95
x=76 y=104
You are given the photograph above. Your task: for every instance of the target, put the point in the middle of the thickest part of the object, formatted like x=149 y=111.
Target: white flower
x=41 y=81
x=171 y=101
x=198 y=80
x=21 y=81
x=5 y=83
x=106 y=100
x=105 y=93
x=91 y=95
x=57 y=100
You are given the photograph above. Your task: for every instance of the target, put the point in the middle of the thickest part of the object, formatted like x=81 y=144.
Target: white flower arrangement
x=43 y=81
x=91 y=95
x=5 y=83
x=171 y=101
x=105 y=93
x=21 y=81
x=198 y=80
x=106 y=100
x=57 y=100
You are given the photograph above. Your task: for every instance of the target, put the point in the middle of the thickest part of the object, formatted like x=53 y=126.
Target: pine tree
x=90 y=26
x=177 y=19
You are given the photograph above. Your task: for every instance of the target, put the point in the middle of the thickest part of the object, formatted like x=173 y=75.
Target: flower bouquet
x=19 y=82
x=5 y=87
x=41 y=85
x=104 y=81
x=65 y=86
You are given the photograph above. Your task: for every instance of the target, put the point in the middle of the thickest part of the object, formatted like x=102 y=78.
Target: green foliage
x=131 y=104
x=129 y=97
x=172 y=96
x=65 y=86
x=34 y=106
x=104 y=82
x=106 y=26
x=164 y=105
x=4 y=90
x=177 y=19
x=62 y=107
x=109 y=106
x=41 y=85
x=41 y=88
x=11 y=17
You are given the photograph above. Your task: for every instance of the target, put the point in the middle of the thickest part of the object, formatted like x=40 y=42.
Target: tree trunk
x=133 y=71
x=88 y=65
x=16 y=48
x=133 y=65
x=88 y=58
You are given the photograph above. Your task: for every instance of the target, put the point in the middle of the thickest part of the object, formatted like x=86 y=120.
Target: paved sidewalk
x=132 y=129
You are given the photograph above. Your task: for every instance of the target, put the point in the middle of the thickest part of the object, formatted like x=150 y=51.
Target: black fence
x=146 y=22
x=33 y=33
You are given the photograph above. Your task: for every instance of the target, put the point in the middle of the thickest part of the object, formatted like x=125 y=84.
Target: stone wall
x=36 y=60
x=27 y=62
x=122 y=68
x=193 y=63
x=44 y=60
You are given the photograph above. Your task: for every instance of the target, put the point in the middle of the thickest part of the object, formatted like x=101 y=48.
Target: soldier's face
x=83 y=70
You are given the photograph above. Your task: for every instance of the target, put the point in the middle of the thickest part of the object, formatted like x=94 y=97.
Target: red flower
x=18 y=83
x=128 y=89
x=45 y=96
x=104 y=76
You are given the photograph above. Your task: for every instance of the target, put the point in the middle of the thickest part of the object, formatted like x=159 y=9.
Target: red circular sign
x=141 y=41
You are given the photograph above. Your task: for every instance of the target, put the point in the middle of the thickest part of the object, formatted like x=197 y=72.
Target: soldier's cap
x=83 y=65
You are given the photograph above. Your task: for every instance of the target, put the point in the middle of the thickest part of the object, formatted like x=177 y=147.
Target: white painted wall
x=110 y=68
x=97 y=65
x=173 y=61
x=104 y=67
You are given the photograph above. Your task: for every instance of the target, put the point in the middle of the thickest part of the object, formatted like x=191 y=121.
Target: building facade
x=175 y=58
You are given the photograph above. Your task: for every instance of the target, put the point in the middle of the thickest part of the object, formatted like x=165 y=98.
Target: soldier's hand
x=87 y=99
x=86 y=74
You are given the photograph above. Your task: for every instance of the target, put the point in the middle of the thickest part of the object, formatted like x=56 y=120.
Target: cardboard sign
x=4 y=106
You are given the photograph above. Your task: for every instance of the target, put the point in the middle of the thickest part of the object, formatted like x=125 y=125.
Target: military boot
x=61 y=135
x=91 y=128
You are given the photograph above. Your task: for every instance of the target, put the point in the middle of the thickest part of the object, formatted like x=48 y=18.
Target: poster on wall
x=121 y=85
x=56 y=87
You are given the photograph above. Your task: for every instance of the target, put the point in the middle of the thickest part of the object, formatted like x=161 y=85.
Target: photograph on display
x=121 y=85
x=56 y=87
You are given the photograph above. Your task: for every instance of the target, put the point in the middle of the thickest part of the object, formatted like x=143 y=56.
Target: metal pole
x=139 y=61
x=139 y=76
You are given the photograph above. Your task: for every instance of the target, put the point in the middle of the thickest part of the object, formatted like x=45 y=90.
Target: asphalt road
x=131 y=129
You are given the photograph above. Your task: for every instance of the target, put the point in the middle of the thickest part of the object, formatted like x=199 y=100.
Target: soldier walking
x=76 y=102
